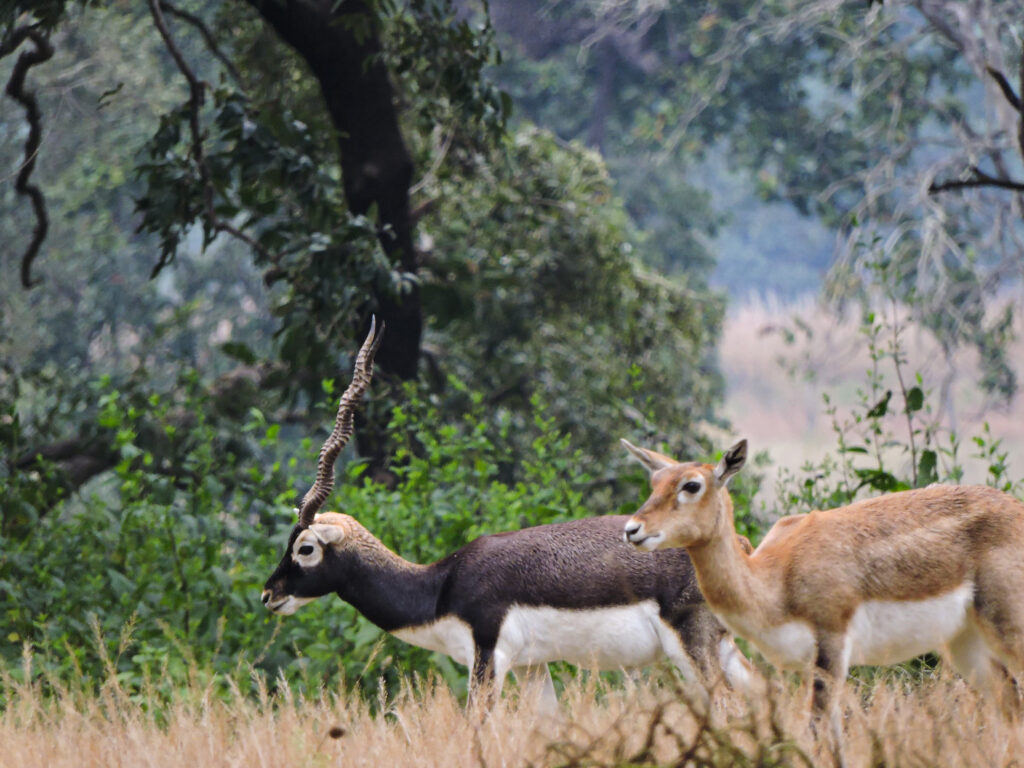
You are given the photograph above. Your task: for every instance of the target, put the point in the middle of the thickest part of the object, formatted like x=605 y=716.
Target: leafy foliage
x=891 y=441
x=165 y=573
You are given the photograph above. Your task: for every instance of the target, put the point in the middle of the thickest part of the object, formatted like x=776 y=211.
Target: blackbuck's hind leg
x=828 y=677
x=536 y=686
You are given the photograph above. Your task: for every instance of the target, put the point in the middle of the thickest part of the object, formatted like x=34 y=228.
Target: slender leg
x=691 y=644
x=482 y=682
x=999 y=620
x=830 y=667
x=536 y=682
x=974 y=660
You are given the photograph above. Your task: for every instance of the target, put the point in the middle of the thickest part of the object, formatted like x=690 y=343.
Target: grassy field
x=891 y=719
x=938 y=722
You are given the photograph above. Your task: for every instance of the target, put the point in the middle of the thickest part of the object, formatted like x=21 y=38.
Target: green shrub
x=162 y=575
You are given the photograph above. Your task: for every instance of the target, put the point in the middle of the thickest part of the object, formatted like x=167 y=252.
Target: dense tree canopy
x=206 y=201
x=386 y=183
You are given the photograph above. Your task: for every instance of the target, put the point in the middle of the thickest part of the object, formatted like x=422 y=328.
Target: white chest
x=450 y=636
x=790 y=645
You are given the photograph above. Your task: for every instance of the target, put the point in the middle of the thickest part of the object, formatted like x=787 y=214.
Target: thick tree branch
x=42 y=51
x=341 y=45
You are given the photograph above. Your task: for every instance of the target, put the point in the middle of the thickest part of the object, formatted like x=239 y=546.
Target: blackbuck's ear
x=650 y=459
x=327 y=533
x=731 y=463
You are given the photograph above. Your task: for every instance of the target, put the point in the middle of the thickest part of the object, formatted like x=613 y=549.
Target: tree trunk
x=340 y=42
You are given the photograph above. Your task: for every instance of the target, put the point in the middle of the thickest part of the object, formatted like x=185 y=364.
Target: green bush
x=162 y=575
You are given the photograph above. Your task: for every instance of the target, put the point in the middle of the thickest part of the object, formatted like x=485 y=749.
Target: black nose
x=631 y=528
x=265 y=596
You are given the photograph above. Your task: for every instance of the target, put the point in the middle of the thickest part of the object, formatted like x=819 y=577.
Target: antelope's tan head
x=304 y=572
x=687 y=501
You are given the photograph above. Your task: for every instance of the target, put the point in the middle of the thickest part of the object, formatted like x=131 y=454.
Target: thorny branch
x=196 y=88
x=42 y=51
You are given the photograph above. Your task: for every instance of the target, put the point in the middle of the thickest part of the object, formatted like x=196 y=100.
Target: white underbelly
x=888 y=632
x=601 y=638
x=880 y=631
x=626 y=636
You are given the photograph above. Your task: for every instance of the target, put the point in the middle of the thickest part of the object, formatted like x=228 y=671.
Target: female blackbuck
x=571 y=591
x=876 y=582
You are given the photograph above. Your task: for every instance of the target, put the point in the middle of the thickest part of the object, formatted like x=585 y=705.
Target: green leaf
x=239 y=351
x=915 y=400
x=879 y=409
x=926 y=468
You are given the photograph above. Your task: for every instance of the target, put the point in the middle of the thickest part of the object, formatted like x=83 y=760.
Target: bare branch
x=207 y=35
x=978 y=179
x=43 y=51
x=1005 y=87
x=197 y=88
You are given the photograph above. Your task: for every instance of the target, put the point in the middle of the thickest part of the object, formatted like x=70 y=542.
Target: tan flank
x=876 y=582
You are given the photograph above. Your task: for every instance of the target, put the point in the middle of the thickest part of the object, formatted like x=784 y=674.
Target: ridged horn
x=361 y=376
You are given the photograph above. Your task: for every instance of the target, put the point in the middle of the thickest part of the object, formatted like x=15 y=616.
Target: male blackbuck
x=876 y=582
x=572 y=591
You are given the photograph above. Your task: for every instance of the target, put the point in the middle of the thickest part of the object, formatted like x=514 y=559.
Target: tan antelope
x=878 y=581
x=513 y=601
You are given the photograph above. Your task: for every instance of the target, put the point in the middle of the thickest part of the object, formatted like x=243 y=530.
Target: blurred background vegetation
x=548 y=202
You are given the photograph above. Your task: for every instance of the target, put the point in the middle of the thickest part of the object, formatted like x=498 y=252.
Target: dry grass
x=937 y=722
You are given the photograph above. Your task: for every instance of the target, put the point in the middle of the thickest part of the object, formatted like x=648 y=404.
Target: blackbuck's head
x=688 y=503
x=304 y=572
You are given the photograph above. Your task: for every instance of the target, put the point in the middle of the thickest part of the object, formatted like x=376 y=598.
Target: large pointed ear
x=650 y=459
x=328 y=533
x=731 y=463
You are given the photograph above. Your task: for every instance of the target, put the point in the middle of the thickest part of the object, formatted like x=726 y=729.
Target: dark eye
x=691 y=486
x=306 y=549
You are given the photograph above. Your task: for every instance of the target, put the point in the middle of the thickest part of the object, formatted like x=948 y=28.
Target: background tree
x=262 y=139
x=895 y=125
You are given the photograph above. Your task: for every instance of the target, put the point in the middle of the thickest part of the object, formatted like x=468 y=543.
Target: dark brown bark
x=41 y=52
x=340 y=43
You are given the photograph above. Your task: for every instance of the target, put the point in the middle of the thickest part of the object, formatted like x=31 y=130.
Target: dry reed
x=890 y=721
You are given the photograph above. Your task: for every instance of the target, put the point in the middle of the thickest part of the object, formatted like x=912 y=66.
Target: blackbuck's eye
x=691 y=486
x=306 y=549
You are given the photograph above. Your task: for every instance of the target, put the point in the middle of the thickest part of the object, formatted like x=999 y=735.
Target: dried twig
x=1005 y=87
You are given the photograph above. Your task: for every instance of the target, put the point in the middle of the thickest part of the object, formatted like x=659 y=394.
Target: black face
x=301 y=576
